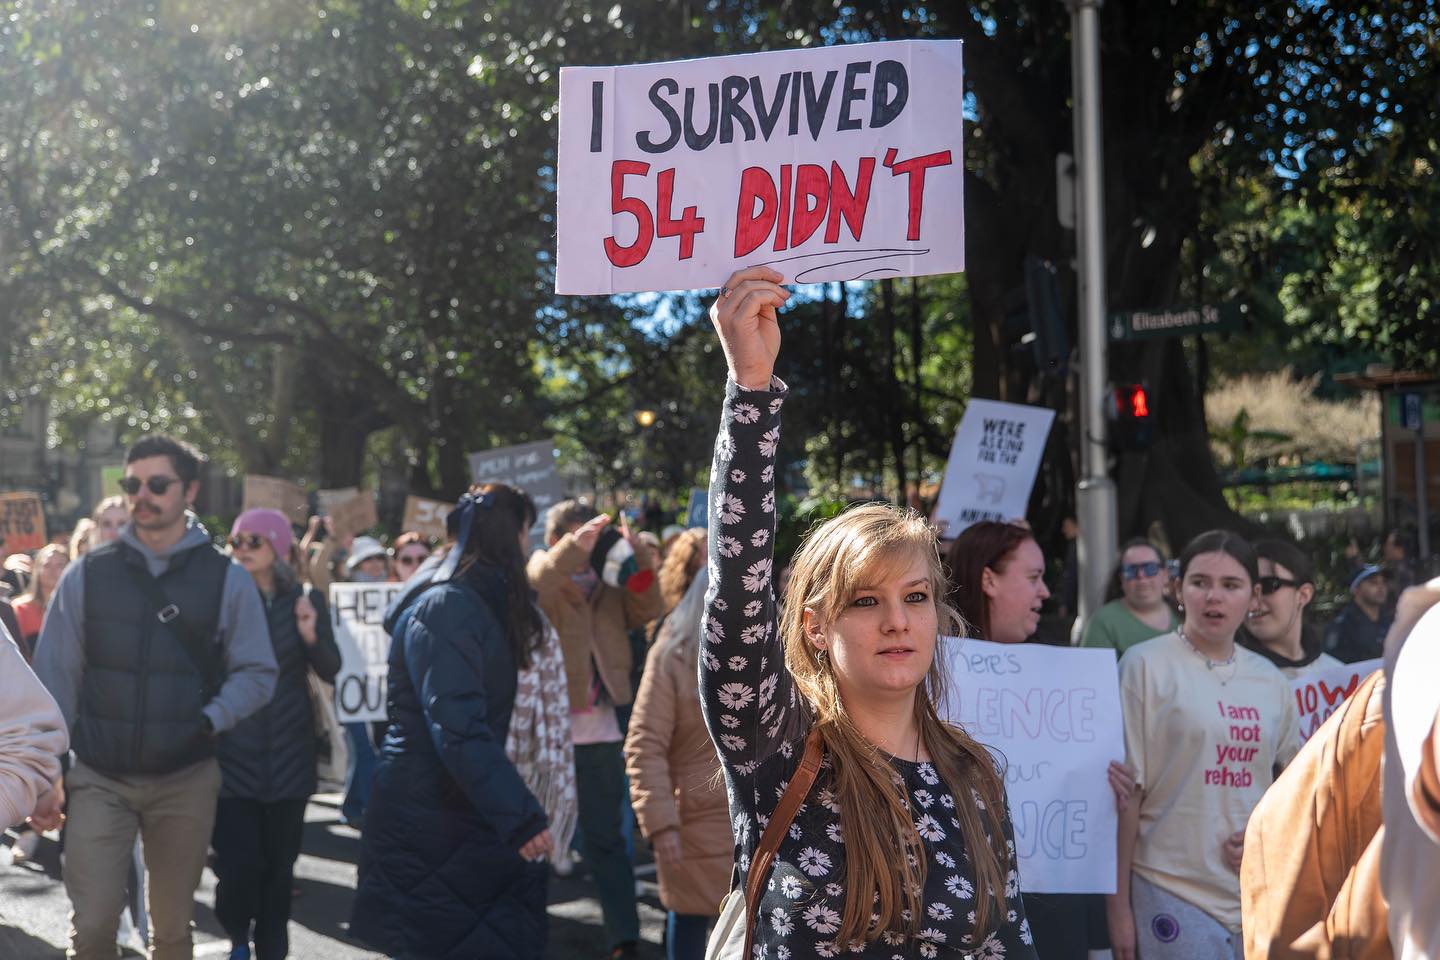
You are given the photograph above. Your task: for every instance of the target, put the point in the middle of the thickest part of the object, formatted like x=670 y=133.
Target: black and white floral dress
x=750 y=703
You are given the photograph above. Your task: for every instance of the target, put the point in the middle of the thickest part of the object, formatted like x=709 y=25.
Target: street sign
x=1412 y=411
x=1174 y=321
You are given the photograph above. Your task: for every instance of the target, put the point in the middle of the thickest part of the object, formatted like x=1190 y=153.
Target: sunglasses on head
x=1134 y=571
x=156 y=485
x=250 y=541
x=1269 y=585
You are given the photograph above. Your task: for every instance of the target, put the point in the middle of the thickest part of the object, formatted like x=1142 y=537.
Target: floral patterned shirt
x=750 y=706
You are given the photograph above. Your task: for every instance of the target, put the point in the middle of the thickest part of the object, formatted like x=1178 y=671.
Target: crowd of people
x=773 y=731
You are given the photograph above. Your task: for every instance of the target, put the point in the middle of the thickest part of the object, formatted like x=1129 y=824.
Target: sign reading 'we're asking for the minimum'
x=833 y=163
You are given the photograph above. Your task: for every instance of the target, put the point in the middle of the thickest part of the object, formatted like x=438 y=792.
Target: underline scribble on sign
x=843 y=257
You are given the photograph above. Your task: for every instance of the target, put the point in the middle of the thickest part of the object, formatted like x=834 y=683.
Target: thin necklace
x=1209 y=664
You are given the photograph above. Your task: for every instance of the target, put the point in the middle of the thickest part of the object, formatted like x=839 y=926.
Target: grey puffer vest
x=142 y=693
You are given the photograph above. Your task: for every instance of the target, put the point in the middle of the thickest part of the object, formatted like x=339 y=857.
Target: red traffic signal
x=1130 y=420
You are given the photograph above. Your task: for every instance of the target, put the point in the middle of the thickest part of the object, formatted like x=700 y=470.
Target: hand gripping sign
x=834 y=163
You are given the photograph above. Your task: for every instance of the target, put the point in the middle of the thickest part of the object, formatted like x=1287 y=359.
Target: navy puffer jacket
x=270 y=755
x=441 y=877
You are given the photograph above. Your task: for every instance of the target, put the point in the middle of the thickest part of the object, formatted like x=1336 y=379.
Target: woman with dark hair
x=1135 y=606
x=1207 y=726
x=1278 y=628
x=476 y=769
x=997 y=583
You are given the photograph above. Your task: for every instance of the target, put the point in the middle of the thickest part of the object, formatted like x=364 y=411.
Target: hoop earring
x=822 y=655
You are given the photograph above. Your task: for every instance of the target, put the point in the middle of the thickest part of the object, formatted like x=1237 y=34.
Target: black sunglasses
x=249 y=540
x=410 y=559
x=157 y=485
x=1134 y=571
x=1269 y=585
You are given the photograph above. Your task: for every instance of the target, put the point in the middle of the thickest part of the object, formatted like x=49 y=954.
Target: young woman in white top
x=1278 y=628
x=1208 y=724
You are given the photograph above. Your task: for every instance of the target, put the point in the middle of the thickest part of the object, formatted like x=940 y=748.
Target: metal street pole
x=1095 y=494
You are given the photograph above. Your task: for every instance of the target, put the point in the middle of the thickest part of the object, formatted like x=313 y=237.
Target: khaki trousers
x=174 y=814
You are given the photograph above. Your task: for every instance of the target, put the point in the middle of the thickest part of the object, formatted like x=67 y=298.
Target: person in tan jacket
x=675 y=783
x=593 y=619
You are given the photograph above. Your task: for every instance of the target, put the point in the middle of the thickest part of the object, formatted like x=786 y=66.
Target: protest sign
x=426 y=516
x=22 y=522
x=355 y=515
x=992 y=464
x=327 y=500
x=529 y=466
x=357 y=613
x=697 y=513
x=1052 y=715
x=277 y=494
x=1320 y=692
x=830 y=163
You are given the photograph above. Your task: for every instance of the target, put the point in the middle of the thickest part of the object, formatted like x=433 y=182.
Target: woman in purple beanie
x=268 y=761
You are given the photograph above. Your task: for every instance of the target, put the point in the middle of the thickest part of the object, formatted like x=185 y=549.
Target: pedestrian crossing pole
x=1095 y=494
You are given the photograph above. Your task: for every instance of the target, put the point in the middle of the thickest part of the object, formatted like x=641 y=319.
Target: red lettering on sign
x=812 y=199
x=751 y=228
x=686 y=227
x=622 y=255
x=915 y=169
x=849 y=205
x=782 y=220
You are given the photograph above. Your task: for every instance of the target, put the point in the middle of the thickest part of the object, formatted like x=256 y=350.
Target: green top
x=1114 y=626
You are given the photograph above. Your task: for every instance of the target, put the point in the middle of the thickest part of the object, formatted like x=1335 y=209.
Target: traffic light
x=1131 y=422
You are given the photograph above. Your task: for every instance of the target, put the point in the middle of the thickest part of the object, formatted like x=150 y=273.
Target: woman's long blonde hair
x=837 y=558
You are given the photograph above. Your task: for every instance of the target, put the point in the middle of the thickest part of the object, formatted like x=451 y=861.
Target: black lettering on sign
x=768 y=116
x=672 y=119
x=850 y=94
x=732 y=112
x=597 y=114
x=889 y=75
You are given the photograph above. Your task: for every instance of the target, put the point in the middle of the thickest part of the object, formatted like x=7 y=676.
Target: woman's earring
x=822 y=656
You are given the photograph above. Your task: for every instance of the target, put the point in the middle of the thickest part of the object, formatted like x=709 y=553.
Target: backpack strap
x=780 y=820
x=203 y=652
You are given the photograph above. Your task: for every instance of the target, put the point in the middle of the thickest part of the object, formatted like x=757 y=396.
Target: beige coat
x=1310 y=878
x=597 y=626
x=675 y=782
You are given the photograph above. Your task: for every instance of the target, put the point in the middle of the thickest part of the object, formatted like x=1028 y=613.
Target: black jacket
x=270 y=755
x=440 y=872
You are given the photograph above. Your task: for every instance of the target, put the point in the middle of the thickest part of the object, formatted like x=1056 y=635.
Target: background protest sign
x=22 y=522
x=1052 y=714
x=992 y=464
x=529 y=466
x=1319 y=693
x=697 y=512
x=357 y=612
x=354 y=515
x=426 y=516
x=277 y=494
x=832 y=163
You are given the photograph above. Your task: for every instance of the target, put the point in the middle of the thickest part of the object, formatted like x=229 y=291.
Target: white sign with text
x=831 y=163
x=992 y=464
x=1052 y=716
x=357 y=613
x=1320 y=693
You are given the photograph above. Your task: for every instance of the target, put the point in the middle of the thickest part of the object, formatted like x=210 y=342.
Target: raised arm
x=743 y=684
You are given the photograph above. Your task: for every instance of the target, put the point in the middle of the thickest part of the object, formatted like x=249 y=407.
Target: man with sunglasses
x=153 y=645
x=1358 y=630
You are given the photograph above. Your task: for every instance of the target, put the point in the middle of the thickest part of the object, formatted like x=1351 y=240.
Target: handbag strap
x=780 y=821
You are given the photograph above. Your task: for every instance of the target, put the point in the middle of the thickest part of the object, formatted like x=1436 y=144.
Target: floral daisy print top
x=750 y=706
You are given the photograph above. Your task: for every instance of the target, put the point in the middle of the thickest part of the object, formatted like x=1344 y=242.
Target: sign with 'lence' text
x=833 y=163
x=1051 y=715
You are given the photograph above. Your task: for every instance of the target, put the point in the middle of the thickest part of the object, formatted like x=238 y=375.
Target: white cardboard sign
x=357 y=613
x=992 y=464
x=832 y=163
x=1052 y=715
x=1321 y=692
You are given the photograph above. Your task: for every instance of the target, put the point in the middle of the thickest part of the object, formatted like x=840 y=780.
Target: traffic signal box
x=1131 y=421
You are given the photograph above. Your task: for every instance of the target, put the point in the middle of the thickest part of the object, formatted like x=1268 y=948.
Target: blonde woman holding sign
x=903 y=845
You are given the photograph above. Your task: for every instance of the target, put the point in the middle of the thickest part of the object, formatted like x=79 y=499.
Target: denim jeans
x=685 y=935
x=600 y=783
x=359 y=771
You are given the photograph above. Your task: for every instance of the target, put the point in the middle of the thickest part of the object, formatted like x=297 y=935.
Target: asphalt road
x=34 y=910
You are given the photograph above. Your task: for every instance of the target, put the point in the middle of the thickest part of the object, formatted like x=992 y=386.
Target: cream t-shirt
x=1204 y=743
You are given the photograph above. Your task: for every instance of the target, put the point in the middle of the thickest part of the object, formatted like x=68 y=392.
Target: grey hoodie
x=244 y=636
